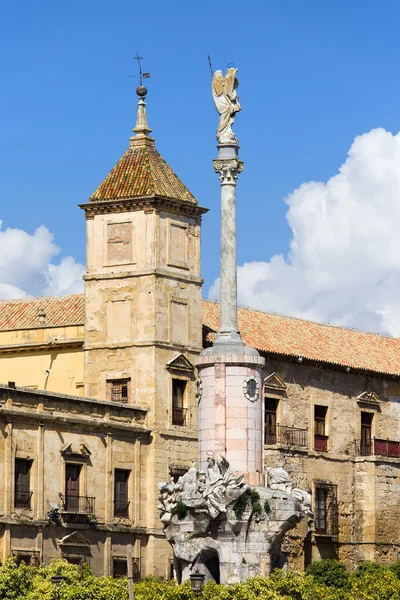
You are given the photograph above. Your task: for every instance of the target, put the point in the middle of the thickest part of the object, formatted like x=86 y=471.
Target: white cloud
x=26 y=267
x=344 y=261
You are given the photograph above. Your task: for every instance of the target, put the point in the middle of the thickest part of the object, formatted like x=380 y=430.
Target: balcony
x=121 y=508
x=321 y=443
x=22 y=500
x=378 y=447
x=77 y=505
x=287 y=436
x=179 y=416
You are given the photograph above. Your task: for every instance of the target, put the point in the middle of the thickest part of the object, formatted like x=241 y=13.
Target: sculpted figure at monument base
x=230 y=531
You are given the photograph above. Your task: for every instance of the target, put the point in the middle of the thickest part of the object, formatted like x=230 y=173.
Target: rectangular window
x=271 y=408
x=31 y=558
x=320 y=437
x=320 y=509
x=178 y=400
x=326 y=509
x=72 y=475
x=120 y=568
x=177 y=472
x=22 y=493
x=118 y=390
x=121 y=502
x=366 y=433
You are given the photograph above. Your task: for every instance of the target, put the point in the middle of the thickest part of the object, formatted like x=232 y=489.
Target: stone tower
x=143 y=298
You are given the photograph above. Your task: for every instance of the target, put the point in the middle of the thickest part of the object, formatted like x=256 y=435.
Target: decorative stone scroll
x=228 y=170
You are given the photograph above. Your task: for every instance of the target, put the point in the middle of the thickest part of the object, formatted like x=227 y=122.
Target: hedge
x=34 y=583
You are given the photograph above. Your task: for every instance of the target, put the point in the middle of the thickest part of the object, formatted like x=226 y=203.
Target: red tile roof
x=268 y=332
x=276 y=334
x=60 y=311
x=142 y=172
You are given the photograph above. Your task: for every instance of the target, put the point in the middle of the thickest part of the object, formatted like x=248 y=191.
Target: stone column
x=228 y=166
x=231 y=413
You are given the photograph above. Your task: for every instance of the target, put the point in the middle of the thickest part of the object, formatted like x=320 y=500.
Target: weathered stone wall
x=51 y=432
x=368 y=487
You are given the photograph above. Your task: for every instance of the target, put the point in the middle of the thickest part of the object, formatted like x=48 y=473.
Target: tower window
x=178 y=401
x=119 y=390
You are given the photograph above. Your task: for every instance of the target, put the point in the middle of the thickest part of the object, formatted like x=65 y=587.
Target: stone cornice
x=42 y=417
x=150 y=202
x=71 y=398
x=157 y=272
x=144 y=344
x=26 y=347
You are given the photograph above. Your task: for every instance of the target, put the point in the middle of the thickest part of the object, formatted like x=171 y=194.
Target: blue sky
x=313 y=75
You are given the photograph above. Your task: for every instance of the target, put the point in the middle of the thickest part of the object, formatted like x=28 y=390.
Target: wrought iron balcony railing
x=121 y=508
x=22 y=499
x=378 y=447
x=179 y=416
x=289 y=436
x=83 y=505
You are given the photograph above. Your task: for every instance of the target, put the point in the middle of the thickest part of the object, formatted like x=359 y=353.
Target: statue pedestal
x=231 y=413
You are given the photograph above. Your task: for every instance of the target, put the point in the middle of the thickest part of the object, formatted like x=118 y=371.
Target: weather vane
x=141 y=75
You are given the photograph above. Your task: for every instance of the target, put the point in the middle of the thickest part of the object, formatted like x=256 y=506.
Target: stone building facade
x=100 y=395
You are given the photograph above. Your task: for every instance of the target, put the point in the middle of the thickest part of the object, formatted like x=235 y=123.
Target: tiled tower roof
x=142 y=172
x=139 y=173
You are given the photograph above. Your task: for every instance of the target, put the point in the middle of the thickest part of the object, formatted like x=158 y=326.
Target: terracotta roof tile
x=60 y=311
x=139 y=173
x=268 y=332
x=276 y=334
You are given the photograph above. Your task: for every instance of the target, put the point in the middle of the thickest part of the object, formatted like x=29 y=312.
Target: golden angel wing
x=218 y=83
x=229 y=84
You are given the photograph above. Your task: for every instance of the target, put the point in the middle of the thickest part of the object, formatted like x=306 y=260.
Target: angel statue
x=227 y=104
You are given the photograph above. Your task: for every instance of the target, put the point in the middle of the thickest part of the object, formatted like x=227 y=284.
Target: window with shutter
x=121 y=501
x=22 y=493
x=72 y=474
x=271 y=408
x=178 y=402
x=320 y=437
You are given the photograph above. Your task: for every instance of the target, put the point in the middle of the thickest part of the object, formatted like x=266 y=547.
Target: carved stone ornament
x=251 y=389
x=213 y=520
x=228 y=170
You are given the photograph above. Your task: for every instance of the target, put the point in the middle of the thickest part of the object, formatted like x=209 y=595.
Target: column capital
x=228 y=170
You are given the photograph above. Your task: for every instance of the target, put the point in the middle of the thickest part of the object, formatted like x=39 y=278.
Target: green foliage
x=267 y=507
x=330 y=572
x=239 y=506
x=396 y=569
x=368 y=567
x=29 y=583
x=181 y=510
x=255 y=502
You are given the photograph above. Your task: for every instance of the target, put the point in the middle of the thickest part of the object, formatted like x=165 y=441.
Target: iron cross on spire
x=141 y=74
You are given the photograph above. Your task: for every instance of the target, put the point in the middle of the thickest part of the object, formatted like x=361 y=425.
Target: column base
x=229 y=342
